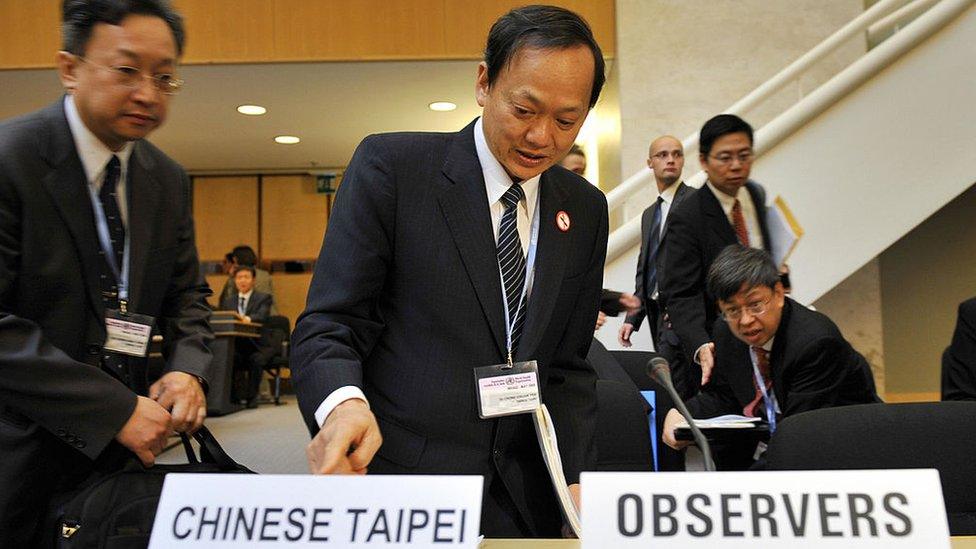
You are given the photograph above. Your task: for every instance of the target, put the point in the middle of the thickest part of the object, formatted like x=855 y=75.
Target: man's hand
x=146 y=431
x=623 y=336
x=182 y=395
x=601 y=319
x=574 y=493
x=670 y=423
x=706 y=358
x=630 y=302
x=347 y=441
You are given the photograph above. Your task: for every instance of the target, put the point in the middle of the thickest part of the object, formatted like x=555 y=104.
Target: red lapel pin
x=562 y=221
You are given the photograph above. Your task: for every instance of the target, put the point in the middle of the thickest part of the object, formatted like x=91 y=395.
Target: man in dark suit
x=421 y=262
x=666 y=159
x=96 y=235
x=959 y=359
x=253 y=306
x=728 y=209
x=800 y=355
x=244 y=255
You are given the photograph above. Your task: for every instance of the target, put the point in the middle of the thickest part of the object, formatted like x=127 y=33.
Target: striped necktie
x=110 y=205
x=756 y=408
x=511 y=261
x=739 y=223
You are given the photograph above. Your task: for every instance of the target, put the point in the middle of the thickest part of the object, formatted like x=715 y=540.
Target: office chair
x=939 y=435
x=273 y=347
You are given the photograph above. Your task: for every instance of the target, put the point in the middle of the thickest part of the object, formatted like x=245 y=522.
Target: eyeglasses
x=726 y=158
x=663 y=155
x=131 y=77
x=754 y=309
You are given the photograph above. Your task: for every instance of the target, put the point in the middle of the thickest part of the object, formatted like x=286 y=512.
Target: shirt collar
x=727 y=202
x=497 y=180
x=668 y=194
x=247 y=295
x=93 y=153
x=769 y=344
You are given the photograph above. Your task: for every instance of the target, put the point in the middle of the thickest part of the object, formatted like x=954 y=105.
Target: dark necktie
x=739 y=223
x=511 y=261
x=113 y=216
x=240 y=306
x=756 y=408
x=654 y=243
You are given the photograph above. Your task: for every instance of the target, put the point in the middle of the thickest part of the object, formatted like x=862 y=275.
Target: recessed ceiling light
x=442 y=106
x=287 y=139
x=252 y=110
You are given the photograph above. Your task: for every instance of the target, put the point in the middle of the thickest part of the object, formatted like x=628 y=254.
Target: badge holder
x=127 y=333
x=507 y=389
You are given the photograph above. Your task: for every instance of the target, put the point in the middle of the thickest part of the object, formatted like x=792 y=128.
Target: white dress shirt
x=667 y=199
x=95 y=157
x=497 y=181
x=242 y=308
x=749 y=212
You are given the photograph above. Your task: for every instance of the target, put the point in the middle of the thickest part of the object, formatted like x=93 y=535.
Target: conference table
x=958 y=542
x=229 y=331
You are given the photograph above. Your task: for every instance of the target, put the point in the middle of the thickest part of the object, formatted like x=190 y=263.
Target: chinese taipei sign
x=221 y=510
x=879 y=509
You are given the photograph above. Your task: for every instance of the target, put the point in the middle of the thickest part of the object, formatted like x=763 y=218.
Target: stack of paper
x=546 y=432
x=730 y=421
x=784 y=230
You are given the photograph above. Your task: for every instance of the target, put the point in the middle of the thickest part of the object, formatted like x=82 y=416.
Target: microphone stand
x=659 y=371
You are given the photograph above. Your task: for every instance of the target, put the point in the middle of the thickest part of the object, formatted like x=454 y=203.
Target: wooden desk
x=958 y=542
x=227 y=334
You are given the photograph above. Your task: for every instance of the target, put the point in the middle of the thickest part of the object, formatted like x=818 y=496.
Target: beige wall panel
x=290 y=293
x=228 y=30
x=216 y=283
x=293 y=217
x=29 y=33
x=467 y=23
x=225 y=212
x=359 y=29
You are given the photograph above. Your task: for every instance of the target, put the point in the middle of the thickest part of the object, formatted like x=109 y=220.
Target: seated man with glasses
x=801 y=357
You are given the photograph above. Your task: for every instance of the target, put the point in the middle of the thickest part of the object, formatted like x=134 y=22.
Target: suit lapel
x=142 y=189
x=679 y=197
x=759 y=201
x=550 y=262
x=67 y=186
x=719 y=222
x=464 y=203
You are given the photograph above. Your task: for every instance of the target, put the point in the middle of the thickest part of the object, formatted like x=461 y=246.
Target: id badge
x=506 y=391
x=127 y=333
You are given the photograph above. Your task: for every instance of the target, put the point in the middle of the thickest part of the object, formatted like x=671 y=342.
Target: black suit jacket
x=698 y=230
x=258 y=307
x=60 y=410
x=649 y=308
x=812 y=366
x=959 y=359
x=406 y=300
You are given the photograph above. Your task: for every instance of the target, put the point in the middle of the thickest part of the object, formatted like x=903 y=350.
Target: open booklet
x=784 y=230
x=546 y=432
x=730 y=421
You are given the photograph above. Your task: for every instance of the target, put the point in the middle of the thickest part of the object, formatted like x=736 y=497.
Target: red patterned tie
x=755 y=407
x=739 y=222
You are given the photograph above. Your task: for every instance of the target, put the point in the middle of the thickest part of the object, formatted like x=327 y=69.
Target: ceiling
x=330 y=106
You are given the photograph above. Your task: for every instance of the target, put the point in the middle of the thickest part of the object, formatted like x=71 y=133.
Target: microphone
x=659 y=371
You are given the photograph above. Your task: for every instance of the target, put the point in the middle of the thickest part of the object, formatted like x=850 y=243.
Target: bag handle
x=210 y=450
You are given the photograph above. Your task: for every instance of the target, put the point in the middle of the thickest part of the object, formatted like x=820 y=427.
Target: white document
x=546 y=432
x=784 y=230
x=729 y=421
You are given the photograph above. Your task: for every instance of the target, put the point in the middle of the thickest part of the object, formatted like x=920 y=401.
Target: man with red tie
x=773 y=356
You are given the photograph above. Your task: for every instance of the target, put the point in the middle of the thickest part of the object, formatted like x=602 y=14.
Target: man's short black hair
x=543 y=27
x=245 y=255
x=577 y=150
x=720 y=125
x=739 y=265
x=247 y=268
x=79 y=17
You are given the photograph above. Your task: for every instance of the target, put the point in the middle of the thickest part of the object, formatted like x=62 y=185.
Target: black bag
x=117 y=510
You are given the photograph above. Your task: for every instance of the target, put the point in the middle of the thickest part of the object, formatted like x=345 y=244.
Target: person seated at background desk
x=252 y=306
x=959 y=359
x=245 y=256
x=800 y=355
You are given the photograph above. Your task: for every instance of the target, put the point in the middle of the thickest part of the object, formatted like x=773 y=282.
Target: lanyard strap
x=768 y=396
x=101 y=224
x=529 y=275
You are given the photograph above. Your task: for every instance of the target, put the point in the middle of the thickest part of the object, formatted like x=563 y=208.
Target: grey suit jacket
x=406 y=300
x=258 y=307
x=647 y=220
x=54 y=397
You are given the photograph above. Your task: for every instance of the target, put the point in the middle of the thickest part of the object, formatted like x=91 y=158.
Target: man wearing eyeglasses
x=729 y=209
x=773 y=356
x=96 y=254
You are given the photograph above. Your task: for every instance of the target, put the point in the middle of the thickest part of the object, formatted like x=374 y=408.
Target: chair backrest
x=623 y=439
x=939 y=435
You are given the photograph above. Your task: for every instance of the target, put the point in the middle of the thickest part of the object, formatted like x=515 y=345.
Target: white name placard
x=216 y=510
x=883 y=509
